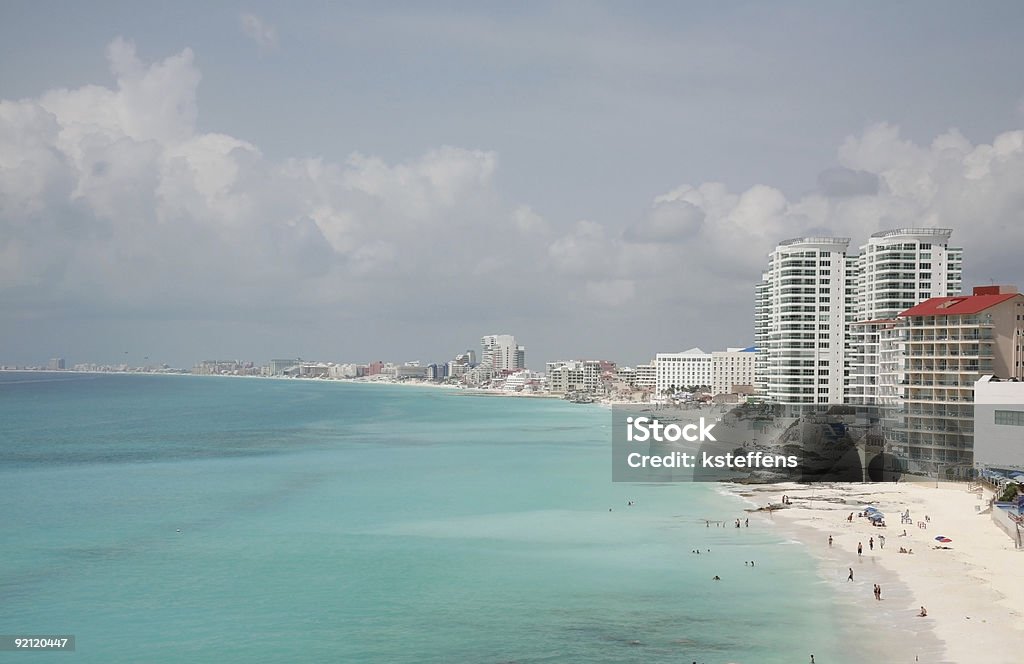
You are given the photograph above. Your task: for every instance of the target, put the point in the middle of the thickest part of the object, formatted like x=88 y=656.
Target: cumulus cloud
x=707 y=239
x=258 y=30
x=110 y=197
x=112 y=202
x=669 y=220
x=843 y=182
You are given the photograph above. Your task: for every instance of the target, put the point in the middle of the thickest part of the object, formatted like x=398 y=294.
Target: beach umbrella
x=877 y=516
x=942 y=538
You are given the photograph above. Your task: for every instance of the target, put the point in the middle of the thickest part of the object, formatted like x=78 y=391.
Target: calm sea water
x=325 y=522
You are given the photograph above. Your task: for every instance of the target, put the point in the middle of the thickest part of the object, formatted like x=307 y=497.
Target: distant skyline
x=358 y=182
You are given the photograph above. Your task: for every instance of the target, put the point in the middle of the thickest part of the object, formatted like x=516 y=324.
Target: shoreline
x=971 y=589
x=469 y=391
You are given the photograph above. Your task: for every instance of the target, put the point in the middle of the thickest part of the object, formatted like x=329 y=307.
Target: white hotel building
x=801 y=313
x=895 y=271
x=824 y=322
x=500 y=353
x=721 y=371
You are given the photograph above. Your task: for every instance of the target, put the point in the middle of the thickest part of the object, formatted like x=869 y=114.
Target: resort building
x=564 y=377
x=501 y=353
x=679 y=371
x=646 y=375
x=949 y=344
x=825 y=321
x=732 y=370
x=802 y=310
x=895 y=270
x=720 y=372
x=523 y=381
x=279 y=367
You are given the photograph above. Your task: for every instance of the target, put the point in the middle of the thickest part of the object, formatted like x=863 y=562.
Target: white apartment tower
x=824 y=321
x=895 y=270
x=500 y=353
x=802 y=310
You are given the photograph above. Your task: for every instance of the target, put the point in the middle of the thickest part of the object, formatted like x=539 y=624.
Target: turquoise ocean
x=331 y=522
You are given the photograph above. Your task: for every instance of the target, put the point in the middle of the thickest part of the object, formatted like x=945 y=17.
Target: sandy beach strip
x=973 y=590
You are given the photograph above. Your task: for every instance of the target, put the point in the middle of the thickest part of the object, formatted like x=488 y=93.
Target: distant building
x=56 y=364
x=626 y=374
x=523 y=381
x=462 y=363
x=225 y=368
x=479 y=375
x=314 y=370
x=732 y=370
x=501 y=353
x=679 y=371
x=411 y=370
x=279 y=367
x=437 y=372
x=566 y=376
x=346 y=370
x=646 y=375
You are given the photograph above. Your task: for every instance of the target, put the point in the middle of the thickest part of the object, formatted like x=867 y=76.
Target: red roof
x=961 y=304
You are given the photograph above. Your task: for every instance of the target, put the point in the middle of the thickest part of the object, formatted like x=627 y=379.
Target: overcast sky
x=392 y=181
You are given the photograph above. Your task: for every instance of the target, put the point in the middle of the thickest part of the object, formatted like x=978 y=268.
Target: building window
x=1010 y=417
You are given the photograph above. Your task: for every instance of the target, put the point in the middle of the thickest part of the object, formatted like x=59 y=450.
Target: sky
x=358 y=181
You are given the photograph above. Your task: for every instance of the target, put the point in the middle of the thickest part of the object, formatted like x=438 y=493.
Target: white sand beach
x=973 y=590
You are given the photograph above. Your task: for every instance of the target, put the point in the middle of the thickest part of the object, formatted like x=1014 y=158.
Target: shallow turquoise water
x=363 y=523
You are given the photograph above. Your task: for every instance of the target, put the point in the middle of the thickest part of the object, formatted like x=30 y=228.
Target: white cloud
x=259 y=31
x=111 y=200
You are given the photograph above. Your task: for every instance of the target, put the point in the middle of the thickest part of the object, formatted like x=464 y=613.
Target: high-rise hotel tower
x=824 y=320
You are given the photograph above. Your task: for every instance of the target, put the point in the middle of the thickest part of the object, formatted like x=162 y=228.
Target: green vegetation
x=1010 y=493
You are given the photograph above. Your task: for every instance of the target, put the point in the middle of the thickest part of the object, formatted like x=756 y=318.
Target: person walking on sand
x=860 y=549
x=850 y=578
x=881 y=541
x=830 y=540
x=871 y=543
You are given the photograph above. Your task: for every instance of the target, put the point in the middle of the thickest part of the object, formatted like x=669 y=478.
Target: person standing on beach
x=830 y=540
x=860 y=549
x=881 y=541
x=850 y=578
x=871 y=543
